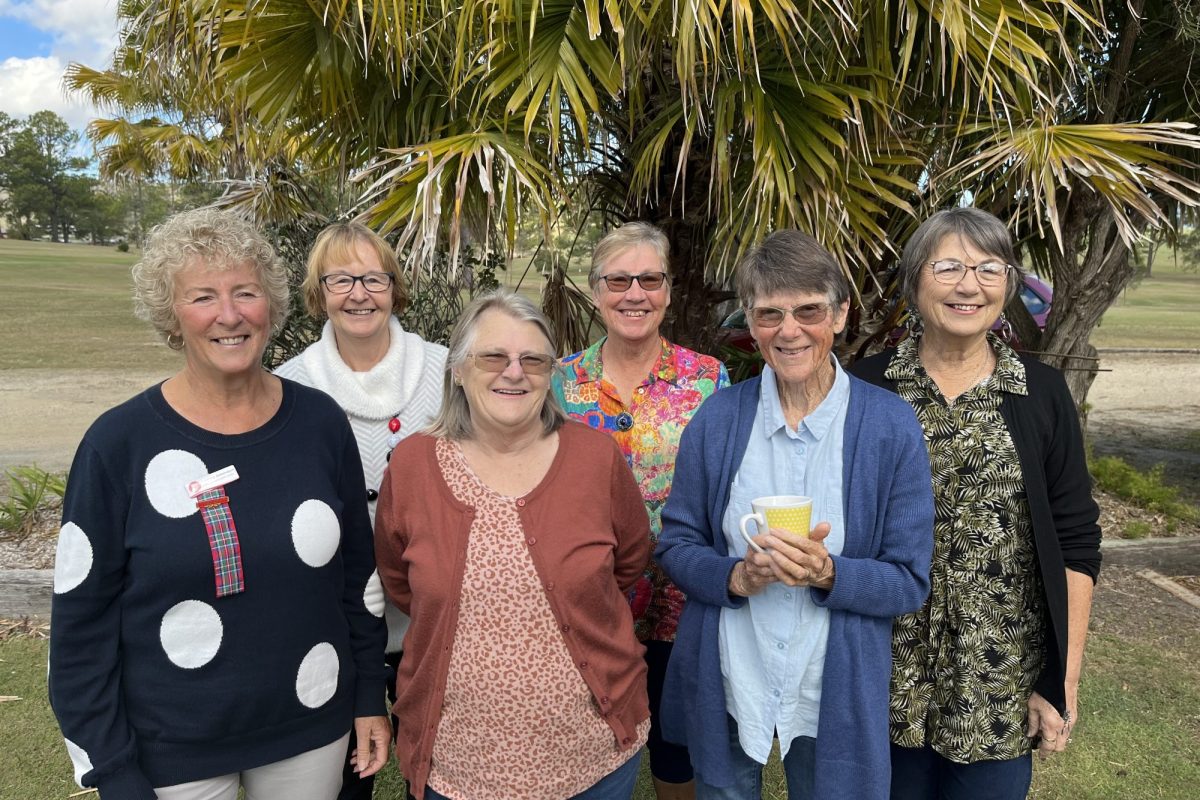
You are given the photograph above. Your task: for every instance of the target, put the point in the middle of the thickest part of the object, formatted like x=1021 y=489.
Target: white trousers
x=315 y=775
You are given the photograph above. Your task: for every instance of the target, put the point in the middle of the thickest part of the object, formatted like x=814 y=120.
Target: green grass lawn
x=68 y=306
x=1158 y=311
x=1138 y=739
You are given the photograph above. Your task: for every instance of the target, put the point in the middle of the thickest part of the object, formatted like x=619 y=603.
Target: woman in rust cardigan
x=510 y=536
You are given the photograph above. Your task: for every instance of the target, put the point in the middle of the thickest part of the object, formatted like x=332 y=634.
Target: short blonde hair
x=627 y=237
x=209 y=239
x=454 y=418
x=336 y=244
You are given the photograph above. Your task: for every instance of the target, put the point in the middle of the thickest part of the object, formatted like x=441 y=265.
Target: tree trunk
x=1088 y=284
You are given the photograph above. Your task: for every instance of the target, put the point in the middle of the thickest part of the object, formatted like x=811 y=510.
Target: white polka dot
x=191 y=634
x=80 y=760
x=318 y=676
x=73 y=561
x=373 y=594
x=167 y=477
x=316 y=532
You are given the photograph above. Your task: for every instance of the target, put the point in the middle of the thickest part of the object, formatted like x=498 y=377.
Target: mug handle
x=761 y=520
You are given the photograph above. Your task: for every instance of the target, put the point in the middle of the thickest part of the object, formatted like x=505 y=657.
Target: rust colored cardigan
x=589 y=538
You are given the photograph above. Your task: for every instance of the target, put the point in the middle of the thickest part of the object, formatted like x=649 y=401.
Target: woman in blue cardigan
x=794 y=642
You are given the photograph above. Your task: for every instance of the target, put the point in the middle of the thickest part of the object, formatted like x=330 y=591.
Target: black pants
x=354 y=787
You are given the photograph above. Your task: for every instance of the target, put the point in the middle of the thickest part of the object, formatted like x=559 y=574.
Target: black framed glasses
x=951 y=271
x=771 y=317
x=647 y=280
x=531 y=363
x=374 y=282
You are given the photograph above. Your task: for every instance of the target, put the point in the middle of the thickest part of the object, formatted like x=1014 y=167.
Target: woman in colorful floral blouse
x=643 y=390
x=989 y=669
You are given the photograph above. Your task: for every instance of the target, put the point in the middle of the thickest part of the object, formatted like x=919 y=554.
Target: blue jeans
x=799 y=768
x=922 y=774
x=616 y=785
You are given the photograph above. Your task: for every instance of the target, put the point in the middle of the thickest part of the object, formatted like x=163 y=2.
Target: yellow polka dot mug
x=788 y=512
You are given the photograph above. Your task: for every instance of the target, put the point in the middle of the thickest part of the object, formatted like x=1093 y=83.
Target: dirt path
x=44 y=414
x=1147 y=411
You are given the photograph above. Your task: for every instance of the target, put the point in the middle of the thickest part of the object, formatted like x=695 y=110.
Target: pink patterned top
x=517 y=720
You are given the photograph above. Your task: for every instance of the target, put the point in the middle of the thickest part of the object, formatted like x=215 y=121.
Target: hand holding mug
x=801 y=560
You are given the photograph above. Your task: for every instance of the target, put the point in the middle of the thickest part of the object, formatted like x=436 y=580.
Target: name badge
x=213 y=480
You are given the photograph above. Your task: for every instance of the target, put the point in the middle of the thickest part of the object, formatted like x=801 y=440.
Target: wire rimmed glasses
x=531 y=363
x=951 y=271
x=805 y=314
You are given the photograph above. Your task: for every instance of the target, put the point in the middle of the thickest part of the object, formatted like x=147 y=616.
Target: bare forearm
x=1079 y=609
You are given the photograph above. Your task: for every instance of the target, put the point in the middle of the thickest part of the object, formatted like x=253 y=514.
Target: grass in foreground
x=1138 y=740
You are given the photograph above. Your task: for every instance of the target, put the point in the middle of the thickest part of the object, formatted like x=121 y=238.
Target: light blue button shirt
x=773 y=647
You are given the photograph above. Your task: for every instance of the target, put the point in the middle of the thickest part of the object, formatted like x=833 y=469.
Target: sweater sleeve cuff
x=127 y=783
x=370 y=698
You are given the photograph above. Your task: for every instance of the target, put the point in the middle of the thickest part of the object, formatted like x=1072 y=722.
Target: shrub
x=123 y=246
x=34 y=496
x=1144 y=489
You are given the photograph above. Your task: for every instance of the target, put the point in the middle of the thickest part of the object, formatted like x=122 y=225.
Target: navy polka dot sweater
x=156 y=678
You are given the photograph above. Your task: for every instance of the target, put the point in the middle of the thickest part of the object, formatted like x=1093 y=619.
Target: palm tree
x=850 y=119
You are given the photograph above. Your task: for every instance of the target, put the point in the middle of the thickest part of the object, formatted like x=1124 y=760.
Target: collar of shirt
x=819 y=420
x=590 y=368
x=1009 y=375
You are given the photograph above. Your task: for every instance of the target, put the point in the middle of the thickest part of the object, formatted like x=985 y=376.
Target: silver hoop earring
x=914 y=324
x=175 y=341
x=1006 y=328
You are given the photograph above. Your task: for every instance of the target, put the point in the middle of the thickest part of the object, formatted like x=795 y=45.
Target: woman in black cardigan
x=989 y=669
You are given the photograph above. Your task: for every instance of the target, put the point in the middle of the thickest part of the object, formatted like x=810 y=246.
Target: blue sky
x=19 y=39
x=38 y=39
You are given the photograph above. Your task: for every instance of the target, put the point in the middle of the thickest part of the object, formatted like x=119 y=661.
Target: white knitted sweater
x=406 y=383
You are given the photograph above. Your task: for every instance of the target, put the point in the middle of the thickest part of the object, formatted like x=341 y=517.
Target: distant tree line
x=48 y=190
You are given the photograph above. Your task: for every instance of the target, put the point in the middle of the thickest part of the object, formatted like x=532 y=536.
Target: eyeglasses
x=341 y=283
x=989 y=273
x=531 y=364
x=647 y=280
x=807 y=314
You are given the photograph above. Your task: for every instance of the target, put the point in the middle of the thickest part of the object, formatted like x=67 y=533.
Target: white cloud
x=32 y=84
x=81 y=30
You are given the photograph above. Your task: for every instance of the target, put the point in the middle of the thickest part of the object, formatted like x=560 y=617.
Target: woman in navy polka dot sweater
x=217 y=620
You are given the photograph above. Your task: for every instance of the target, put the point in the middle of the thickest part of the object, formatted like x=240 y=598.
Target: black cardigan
x=1044 y=426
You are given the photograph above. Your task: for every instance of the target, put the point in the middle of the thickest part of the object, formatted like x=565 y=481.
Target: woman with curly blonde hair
x=214 y=620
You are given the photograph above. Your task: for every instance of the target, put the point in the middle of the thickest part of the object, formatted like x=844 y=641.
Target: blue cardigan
x=882 y=572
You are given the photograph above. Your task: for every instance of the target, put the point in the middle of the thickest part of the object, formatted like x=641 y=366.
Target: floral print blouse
x=964 y=665
x=647 y=431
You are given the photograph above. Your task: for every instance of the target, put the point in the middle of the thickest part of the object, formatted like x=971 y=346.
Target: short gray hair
x=453 y=420
x=789 y=261
x=982 y=230
x=627 y=237
x=208 y=239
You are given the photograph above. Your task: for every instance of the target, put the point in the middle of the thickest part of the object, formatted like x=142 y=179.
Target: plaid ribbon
x=223 y=540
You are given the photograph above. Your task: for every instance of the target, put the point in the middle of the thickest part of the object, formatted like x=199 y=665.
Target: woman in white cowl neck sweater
x=387 y=380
